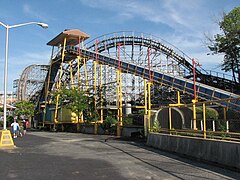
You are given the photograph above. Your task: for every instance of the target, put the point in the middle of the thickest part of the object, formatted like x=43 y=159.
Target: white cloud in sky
x=30 y=11
x=28 y=58
x=181 y=23
x=173 y=13
x=186 y=18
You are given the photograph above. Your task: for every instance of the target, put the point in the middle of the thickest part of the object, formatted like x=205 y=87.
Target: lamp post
x=43 y=25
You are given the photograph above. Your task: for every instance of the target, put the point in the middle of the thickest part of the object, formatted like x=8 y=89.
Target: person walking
x=24 y=127
x=15 y=127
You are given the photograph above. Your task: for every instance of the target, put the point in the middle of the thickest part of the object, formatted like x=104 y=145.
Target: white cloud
x=28 y=58
x=208 y=62
x=187 y=14
x=186 y=18
x=27 y=9
x=189 y=20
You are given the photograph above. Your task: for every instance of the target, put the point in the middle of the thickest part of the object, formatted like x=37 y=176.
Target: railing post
x=170 y=118
x=204 y=121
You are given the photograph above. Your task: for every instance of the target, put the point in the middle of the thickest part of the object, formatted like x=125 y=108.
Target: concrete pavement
x=48 y=155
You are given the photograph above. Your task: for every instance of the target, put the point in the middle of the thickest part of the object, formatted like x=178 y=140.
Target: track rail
x=176 y=82
x=209 y=87
x=181 y=58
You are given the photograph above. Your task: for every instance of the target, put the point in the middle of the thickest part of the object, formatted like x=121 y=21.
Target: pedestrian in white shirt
x=15 y=128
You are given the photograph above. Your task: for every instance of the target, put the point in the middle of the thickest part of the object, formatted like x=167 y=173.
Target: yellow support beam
x=194 y=114
x=59 y=83
x=95 y=92
x=86 y=74
x=145 y=107
x=120 y=97
x=178 y=104
x=95 y=84
x=170 y=118
x=119 y=101
x=78 y=70
x=204 y=121
x=178 y=98
x=140 y=107
x=149 y=105
x=101 y=99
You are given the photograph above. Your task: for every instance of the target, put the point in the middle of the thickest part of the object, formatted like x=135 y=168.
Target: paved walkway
x=46 y=155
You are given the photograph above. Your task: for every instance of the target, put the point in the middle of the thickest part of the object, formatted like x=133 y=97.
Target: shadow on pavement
x=28 y=162
x=188 y=161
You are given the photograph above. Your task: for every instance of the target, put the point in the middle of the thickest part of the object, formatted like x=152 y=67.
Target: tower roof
x=74 y=37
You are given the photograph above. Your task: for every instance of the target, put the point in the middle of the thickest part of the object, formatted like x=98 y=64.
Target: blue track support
x=178 y=83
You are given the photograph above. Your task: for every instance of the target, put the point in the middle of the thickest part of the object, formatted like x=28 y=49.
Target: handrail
x=226 y=136
x=219 y=74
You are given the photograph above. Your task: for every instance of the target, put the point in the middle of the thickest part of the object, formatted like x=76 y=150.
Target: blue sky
x=181 y=23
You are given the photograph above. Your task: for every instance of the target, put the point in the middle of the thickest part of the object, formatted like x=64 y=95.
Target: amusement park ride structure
x=131 y=67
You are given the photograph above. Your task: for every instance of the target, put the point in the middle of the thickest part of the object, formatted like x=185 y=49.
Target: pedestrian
x=24 y=127
x=21 y=130
x=15 y=128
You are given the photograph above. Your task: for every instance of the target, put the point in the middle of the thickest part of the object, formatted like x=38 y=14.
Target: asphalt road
x=46 y=155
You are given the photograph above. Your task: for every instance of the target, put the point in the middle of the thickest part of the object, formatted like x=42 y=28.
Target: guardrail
x=226 y=136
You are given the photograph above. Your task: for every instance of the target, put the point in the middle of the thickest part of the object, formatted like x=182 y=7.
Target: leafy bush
x=210 y=113
x=10 y=120
x=156 y=126
x=109 y=122
x=128 y=120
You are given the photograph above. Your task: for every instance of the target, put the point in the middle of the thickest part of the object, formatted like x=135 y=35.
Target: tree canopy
x=228 y=43
x=25 y=108
x=78 y=101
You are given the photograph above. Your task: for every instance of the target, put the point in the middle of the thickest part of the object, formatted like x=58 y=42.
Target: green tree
x=109 y=124
x=91 y=112
x=228 y=43
x=74 y=99
x=25 y=108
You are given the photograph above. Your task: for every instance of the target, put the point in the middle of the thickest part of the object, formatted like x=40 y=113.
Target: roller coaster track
x=181 y=58
x=31 y=80
x=209 y=87
x=178 y=83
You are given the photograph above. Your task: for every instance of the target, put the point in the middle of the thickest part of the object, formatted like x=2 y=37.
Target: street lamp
x=43 y=25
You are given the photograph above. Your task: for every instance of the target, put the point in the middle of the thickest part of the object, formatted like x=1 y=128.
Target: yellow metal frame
x=204 y=121
x=78 y=70
x=194 y=114
x=85 y=71
x=119 y=101
x=95 y=92
x=170 y=118
x=101 y=100
x=145 y=107
x=59 y=83
x=178 y=104
x=95 y=84
x=149 y=105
